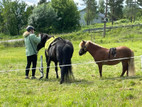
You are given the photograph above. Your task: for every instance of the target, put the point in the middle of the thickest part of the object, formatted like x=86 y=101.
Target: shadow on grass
x=49 y=79
x=75 y=81
x=83 y=81
x=121 y=78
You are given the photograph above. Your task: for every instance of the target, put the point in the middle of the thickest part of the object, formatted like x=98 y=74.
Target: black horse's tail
x=68 y=73
x=66 y=69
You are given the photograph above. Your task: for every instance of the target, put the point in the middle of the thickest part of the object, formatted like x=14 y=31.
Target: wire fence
x=75 y=64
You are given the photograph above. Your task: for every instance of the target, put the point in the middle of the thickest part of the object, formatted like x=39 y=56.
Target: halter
x=85 y=48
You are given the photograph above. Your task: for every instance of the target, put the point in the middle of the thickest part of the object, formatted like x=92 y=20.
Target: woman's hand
x=39 y=35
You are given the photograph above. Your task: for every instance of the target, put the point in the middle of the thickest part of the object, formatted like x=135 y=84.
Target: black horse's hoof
x=40 y=78
x=61 y=82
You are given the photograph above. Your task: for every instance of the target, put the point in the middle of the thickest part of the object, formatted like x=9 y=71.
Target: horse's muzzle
x=80 y=53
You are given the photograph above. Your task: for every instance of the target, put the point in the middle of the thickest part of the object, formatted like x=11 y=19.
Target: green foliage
x=61 y=15
x=13 y=16
x=43 y=18
x=28 y=12
x=115 y=9
x=139 y=2
x=41 y=2
x=101 y=6
x=131 y=10
x=122 y=21
x=13 y=44
x=67 y=14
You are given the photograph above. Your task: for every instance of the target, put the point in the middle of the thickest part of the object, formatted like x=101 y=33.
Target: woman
x=31 y=42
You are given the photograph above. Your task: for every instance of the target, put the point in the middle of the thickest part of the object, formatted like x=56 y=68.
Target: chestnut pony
x=102 y=56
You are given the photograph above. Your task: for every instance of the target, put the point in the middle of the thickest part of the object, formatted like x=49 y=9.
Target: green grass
x=88 y=89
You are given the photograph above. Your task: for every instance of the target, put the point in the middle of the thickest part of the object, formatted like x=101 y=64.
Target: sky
x=78 y=2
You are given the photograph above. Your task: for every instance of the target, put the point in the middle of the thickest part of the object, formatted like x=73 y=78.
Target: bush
x=13 y=44
x=122 y=21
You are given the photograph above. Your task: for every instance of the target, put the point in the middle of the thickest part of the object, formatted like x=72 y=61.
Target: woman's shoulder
x=32 y=35
x=25 y=34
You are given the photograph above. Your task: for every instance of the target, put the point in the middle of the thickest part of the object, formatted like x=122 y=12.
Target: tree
x=13 y=16
x=139 y=2
x=101 y=6
x=67 y=15
x=41 y=2
x=43 y=18
x=91 y=10
x=28 y=12
x=1 y=20
x=131 y=9
x=116 y=7
x=18 y=9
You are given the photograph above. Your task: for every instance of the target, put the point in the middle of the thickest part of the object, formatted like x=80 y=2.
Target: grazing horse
x=61 y=51
x=104 y=56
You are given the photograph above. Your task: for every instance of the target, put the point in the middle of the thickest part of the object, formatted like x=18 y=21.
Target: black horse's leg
x=63 y=69
x=124 y=68
x=100 y=69
x=48 y=67
x=56 y=69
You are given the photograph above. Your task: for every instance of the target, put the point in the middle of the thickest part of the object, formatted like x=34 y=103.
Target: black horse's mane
x=45 y=35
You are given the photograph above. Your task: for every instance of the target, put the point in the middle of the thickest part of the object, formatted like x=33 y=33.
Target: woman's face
x=32 y=31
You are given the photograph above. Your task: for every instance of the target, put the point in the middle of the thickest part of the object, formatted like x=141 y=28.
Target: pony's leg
x=124 y=68
x=127 y=69
x=100 y=69
x=56 y=69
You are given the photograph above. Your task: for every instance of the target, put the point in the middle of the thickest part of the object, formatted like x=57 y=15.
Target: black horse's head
x=83 y=47
x=44 y=38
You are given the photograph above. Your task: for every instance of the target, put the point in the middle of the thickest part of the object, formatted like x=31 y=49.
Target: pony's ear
x=83 y=40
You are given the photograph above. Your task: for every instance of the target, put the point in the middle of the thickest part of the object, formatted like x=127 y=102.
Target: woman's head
x=30 y=29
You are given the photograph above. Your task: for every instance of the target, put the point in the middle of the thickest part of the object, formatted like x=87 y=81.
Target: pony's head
x=44 y=38
x=83 y=47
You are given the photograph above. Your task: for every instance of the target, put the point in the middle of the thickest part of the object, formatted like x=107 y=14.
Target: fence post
x=41 y=67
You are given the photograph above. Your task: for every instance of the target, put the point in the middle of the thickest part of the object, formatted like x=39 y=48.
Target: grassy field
x=88 y=89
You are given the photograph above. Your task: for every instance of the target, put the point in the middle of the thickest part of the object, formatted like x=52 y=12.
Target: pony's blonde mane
x=87 y=44
x=80 y=44
x=93 y=43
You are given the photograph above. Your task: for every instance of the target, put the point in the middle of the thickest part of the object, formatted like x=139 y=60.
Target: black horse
x=61 y=51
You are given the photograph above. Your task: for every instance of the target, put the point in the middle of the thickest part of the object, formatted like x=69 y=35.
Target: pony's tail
x=69 y=77
x=131 y=66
